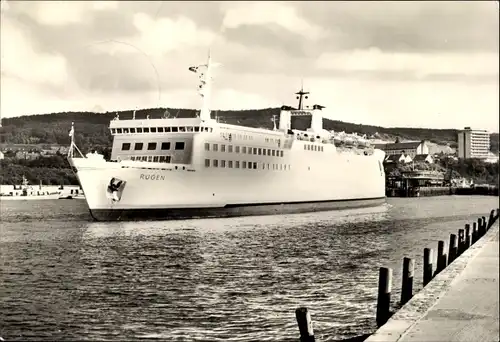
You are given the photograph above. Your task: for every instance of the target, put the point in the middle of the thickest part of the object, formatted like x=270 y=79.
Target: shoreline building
x=473 y=144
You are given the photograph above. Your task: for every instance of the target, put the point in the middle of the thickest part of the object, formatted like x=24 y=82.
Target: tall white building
x=473 y=143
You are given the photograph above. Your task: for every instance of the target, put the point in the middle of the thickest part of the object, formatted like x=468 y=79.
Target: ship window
x=143 y=158
x=255 y=150
x=132 y=158
x=150 y=158
x=162 y=159
x=223 y=148
x=175 y=129
x=139 y=130
x=244 y=149
x=146 y=129
x=230 y=148
x=153 y=129
x=260 y=151
x=255 y=165
x=125 y=130
x=281 y=153
x=207 y=162
x=179 y=145
x=125 y=146
x=167 y=129
x=151 y=146
x=119 y=130
x=132 y=130
x=274 y=153
x=230 y=164
x=268 y=166
x=165 y=145
x=237 y=164
x=214 y=147
x=207 y=147
x=160 y=129
x=268 y=151
x=138 y=146
x=113 y=131
x=305 y=147
x=263 y=166
x=182 y=129
x=168 y=159
x=197 y=129
x=155 y=159
x=190 y=129
x=237 y=149
x=243 y=165
x=222 y=163
x=215 y=163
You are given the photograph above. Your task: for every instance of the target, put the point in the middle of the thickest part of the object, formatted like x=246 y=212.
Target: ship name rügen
x=152 y=177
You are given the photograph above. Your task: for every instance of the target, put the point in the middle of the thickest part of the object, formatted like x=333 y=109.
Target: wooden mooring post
x=480 y=227
x=441 y=258
x=305 y=325
x=407 y=281
x=467 y=236
x=474 y=233
x=384 y=296
x=427 y=276
x=452 y=248
x=461 y=242
x=485 y=224
x=491 y=219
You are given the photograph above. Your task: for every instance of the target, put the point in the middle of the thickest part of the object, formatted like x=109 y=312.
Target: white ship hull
x=348 y=181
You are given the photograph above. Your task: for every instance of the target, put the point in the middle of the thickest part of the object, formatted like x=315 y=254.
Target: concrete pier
x=460 y=304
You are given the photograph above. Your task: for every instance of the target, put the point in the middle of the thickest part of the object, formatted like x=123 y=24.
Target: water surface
x=64 y=277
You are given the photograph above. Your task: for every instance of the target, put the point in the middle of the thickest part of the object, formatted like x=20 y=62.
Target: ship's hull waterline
x=230 y=210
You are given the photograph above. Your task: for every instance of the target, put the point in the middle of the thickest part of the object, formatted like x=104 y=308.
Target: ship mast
x=301 y=94
x=205 y=86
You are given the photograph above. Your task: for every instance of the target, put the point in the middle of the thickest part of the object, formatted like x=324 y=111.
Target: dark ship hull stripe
x=231 y=210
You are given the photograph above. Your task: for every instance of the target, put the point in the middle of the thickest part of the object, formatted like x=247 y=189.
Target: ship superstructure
x=193 y=167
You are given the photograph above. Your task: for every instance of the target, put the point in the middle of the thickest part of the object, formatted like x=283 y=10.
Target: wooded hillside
x=91 y=129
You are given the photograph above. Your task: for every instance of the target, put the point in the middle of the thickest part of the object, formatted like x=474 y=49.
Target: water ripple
x=237 y=279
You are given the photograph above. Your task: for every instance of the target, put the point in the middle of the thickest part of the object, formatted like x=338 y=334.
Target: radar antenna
x=301 y=94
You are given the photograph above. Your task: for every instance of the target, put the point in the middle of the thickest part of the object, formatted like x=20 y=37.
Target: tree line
x=91 y=129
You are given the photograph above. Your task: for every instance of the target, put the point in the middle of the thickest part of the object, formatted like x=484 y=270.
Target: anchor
x=115 y=189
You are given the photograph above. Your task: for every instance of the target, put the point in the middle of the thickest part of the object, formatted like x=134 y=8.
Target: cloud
x=418 y=26
x=22 y=61
x=413 y=65
x=163 y=35
x=60 y=13
x=270 y=13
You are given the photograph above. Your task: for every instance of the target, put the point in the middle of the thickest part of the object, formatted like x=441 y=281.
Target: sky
x=407 y=64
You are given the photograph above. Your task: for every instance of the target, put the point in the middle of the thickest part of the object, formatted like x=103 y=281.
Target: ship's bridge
x=165 y=140
x=164 y=125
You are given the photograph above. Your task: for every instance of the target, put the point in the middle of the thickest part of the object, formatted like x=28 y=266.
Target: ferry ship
x=177 y=168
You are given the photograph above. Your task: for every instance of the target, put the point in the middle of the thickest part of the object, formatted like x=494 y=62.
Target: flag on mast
x=72 y=130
